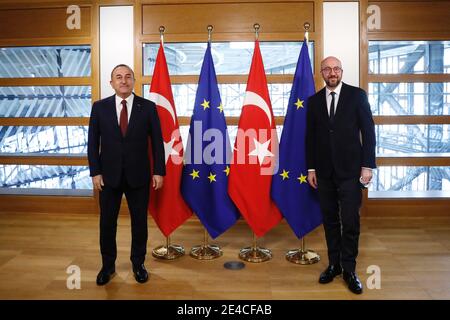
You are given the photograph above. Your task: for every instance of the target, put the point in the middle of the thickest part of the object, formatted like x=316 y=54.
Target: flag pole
x=254 y=253
x=168 y=251
x=161 y=33
x=206 y=251
x=303 y=256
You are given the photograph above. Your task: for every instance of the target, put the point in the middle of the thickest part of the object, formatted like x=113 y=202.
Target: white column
x=341 y=37
x=116 y=43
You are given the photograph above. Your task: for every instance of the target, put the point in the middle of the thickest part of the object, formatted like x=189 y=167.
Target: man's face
x=122 y=81
x=332 y=72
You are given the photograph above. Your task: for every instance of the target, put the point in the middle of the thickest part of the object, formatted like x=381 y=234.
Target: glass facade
x=45 y=177
x=409 y=99
x=43 y=139
x=229 y=57
x=412 y=138
x=45 y=102
x=232 y=96
x=45 y=62
x=409 y=178
x=19 y=102
x=409 y=57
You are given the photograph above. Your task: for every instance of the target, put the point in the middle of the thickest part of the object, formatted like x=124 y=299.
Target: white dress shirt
x=337 y=90
x=129 y=100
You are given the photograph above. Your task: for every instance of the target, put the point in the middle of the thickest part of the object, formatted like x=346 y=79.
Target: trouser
x=340 y=201
x=110 y=200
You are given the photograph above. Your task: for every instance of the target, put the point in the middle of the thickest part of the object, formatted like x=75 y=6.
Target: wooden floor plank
x=36 y=249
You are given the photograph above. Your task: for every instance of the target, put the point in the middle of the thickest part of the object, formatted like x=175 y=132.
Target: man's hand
x=366 y=175
x=157 y=182
x=97 y=181
x=312 y=179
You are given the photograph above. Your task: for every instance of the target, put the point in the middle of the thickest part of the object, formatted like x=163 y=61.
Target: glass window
x=413 y=138
x=43 y=139
x=229 y=57
x=19 y=177
x=416 y=98
x=45 y=62
x=415 y=179
x=49 y=101
x=232 y=96
x=409 y=57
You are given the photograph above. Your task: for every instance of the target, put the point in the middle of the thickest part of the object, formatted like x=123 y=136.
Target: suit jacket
x=346 y=145
x=110 y=154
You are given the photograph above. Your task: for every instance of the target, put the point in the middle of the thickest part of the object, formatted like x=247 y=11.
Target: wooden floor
x=36 y=249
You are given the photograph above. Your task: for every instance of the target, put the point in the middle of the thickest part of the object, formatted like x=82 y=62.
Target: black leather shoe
x=353 y=282
x=104 y=276
x=328 y=275
x=140 y=274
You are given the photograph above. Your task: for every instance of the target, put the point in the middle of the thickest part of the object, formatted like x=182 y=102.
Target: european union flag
x=297 y=201
x=205 y=174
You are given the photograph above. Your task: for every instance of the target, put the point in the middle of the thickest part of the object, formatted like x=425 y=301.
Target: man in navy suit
x=118 y=152
x=340 y=152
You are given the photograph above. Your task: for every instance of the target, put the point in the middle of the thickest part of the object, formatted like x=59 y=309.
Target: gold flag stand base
x=206 y=251
x=302 y=255
x=255 y=254
x=169 y=251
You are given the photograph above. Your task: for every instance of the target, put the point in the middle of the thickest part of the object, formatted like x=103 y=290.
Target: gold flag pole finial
x=306 y=26
x=256 y=26
x=210 y=29
x=161 y=33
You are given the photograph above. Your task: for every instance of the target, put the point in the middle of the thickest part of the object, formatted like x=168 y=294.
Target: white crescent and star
x=261 y=149
x=161 y=101
x=169 y=150
x=254 y=99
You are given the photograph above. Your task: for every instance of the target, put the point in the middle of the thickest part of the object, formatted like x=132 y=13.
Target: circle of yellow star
x=205 y=104
x=302 y=178
x=220 y=107
x=211 y=177
x=285 y=174
x=299 y=103
x=194 y=174
x=227 y=170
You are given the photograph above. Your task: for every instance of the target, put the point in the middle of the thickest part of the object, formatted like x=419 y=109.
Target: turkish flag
x=166 y=205
x=254 y=156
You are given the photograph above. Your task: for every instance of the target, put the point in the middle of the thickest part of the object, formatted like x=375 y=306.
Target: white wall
x=341 y=37
x=116 y=43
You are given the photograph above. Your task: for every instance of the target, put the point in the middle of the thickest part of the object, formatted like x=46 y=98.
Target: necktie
x=332 y=107
x=124 y=118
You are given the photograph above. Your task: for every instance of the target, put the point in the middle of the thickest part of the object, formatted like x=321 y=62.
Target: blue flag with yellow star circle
x=206 y=169
x=297 y=201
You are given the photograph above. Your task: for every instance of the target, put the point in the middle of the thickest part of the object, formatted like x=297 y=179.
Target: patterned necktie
x=124 y=118
x=332 y=107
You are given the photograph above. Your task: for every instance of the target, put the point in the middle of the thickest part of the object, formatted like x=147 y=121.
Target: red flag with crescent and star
x=166 y=205
x=254 y=155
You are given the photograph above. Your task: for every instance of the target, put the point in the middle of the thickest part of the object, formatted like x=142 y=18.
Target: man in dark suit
x=118 y=154
x=340 y=152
